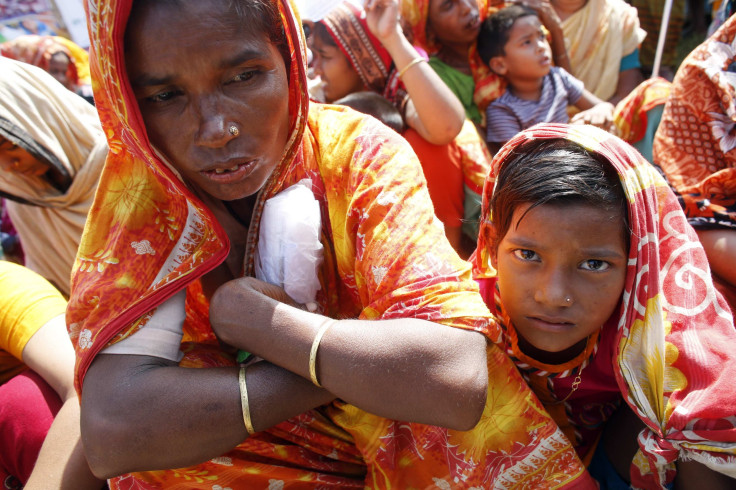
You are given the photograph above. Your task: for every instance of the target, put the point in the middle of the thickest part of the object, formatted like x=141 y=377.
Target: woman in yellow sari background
x=203 y=133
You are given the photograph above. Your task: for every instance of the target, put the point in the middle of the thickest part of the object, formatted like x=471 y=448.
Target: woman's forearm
x=142 y=414
x=434 y=111
x=402 y=369
x=62 y=463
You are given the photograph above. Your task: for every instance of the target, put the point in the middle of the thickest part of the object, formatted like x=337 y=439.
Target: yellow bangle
x=411 y=63
x=313 y=352
x=244 y=402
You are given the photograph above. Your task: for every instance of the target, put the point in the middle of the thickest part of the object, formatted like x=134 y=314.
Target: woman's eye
x=244 y=77
x=162 y=96
x=524 y=254
x=595 y=265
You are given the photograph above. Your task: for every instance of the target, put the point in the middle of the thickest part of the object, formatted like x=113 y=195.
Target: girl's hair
x=256 y=15
x=557 y=172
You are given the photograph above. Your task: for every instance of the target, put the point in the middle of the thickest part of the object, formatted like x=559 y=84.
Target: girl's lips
x=550 y=326
x=231 y=175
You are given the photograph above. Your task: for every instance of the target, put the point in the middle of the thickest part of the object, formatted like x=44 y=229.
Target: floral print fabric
x=695 y=144
x=148 y=237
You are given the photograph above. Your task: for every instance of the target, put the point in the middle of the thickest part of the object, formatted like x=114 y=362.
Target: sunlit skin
x=15 y=159
x=565 y=8
x=455 y=24
x=59 y=67
x=335 y=71
x=191 y=89
x=555 y=253
x=527 y=55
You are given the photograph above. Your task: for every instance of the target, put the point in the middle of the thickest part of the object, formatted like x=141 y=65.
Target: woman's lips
x=235 y=173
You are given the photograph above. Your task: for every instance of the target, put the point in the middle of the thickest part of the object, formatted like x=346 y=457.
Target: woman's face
x=561 y=272
x=59 y=68
x=213 y=94
x=454 y=21
x=15 y=159
x=337 y=74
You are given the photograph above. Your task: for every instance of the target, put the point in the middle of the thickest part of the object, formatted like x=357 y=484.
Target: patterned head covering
x=674 y=362
x=62 y=130
x=347 y=25
x=38 y=51
x=488 y=85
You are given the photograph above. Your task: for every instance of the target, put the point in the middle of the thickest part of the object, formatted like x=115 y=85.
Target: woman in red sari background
x=696 y=149
x=204 y=130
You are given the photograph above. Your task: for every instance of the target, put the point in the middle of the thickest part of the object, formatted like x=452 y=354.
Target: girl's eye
x=526 y=255
x=595 y=265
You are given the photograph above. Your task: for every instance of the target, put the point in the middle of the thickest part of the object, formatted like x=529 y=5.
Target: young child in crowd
x=607 y=307
x=375 y=105
x=513 y=43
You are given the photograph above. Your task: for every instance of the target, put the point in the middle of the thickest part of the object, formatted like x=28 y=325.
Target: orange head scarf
x=674 y=362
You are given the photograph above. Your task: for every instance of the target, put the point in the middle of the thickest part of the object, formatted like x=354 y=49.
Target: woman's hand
x=382 y=17
x=242 y=306
x=547 y=14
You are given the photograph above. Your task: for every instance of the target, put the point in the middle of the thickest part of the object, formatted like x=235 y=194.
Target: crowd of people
x=367 y=244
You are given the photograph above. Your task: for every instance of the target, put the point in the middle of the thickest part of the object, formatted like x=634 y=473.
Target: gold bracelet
x=313 y=352
x=411 y=63
x=244 y=402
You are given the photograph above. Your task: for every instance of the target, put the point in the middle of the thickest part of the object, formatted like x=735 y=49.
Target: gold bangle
x=244 y=402
x=411 y=63
x=313 y=352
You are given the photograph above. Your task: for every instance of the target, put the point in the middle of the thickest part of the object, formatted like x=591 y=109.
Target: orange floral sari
x=148 y=237
x=695 y=144
x=672 y=357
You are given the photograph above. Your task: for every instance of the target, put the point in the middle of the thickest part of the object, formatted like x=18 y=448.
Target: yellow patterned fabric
x=674 y=362
x=598 y=36
x=148 y=237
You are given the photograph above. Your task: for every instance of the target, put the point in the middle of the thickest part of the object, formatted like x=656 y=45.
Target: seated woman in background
x=63 y=59
x=603 y=38
x=36 y=385
x=448 y=31
x=52 y=150
x=695 y=148
x=214 y=133
x=346 y=49
x=607 y=309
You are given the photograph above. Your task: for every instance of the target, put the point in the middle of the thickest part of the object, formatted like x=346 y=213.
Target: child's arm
x=501 y=126
x=594 y=111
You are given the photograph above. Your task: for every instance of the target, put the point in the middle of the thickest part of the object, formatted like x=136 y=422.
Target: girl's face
x=561 y=272
x=454 y=21
x=216 y=101
x=337 y=74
